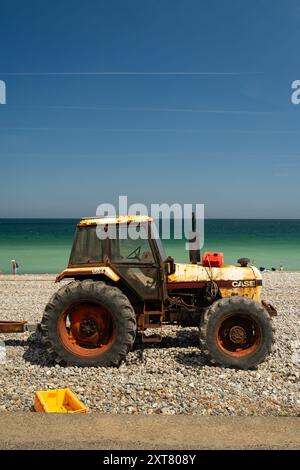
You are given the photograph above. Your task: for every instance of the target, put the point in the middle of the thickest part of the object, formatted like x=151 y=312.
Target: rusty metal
x=233 y=284
x=270 y=309
x=152 y=339
x=146 y=323
x=238 y=335
x=204 y=284
x=91 y=331
x=121 y=219
x=231 y=280
x=89 y=271
x=13 y=326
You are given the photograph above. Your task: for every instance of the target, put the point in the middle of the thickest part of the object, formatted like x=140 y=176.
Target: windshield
x=87 y=247
x=131 y=250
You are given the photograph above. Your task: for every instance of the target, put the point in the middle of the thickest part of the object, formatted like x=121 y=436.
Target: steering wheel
x=135 y=254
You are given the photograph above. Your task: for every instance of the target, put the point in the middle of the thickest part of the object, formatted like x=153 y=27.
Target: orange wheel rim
x=238 y=335
x=86 y=329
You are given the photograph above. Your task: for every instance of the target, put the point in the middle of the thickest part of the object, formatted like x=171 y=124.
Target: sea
x=43 y=245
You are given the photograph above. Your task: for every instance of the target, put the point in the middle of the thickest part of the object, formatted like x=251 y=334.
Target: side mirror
x=170 y=265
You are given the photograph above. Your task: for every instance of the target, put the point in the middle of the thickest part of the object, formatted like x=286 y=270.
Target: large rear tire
x=88 y=323
x=236 y=332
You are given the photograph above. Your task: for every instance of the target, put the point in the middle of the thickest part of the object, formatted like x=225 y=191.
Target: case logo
x=243 y=283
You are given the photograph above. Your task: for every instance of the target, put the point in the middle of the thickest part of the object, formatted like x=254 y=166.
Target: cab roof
x=120 y=219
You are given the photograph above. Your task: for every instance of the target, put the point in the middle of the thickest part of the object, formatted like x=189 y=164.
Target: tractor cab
x=123 y=249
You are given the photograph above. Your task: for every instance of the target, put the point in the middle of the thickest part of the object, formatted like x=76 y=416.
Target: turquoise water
x=43 y=245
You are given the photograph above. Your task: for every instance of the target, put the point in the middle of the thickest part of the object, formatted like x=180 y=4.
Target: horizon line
x=206 y=218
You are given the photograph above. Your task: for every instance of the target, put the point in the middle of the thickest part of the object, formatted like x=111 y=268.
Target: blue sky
x=164 y=101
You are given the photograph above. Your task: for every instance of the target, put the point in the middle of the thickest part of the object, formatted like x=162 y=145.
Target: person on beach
x=281 y=268
x=15 y=266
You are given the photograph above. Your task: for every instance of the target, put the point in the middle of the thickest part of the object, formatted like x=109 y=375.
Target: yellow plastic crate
x=58 y=401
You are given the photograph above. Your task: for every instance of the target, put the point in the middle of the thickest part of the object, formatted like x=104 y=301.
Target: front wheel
x=236 y=332
x=89 y=323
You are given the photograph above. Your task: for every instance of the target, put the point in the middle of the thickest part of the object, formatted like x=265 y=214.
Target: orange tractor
x=122 y=285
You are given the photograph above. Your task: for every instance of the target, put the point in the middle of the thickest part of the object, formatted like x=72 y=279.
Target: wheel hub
x=88 y=327
x=237 y=334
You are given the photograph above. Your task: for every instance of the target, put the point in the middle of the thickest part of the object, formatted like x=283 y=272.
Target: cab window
x=87 y=247
x=132 y=251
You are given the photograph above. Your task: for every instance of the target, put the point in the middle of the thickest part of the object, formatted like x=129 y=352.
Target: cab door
x=137 y=263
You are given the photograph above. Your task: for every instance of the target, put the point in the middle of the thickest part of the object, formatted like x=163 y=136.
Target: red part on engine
x=213 y=259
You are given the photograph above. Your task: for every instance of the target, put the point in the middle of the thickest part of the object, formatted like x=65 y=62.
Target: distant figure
x=15 y=266
x=281 y=268
x=273 y=269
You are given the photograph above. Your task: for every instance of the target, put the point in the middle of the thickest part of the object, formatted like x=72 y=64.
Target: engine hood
x=231 y=280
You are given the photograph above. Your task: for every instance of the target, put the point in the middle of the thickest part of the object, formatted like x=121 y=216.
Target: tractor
x=120 y=286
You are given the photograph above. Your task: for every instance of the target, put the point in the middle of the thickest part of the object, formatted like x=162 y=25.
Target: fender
x=95 y=270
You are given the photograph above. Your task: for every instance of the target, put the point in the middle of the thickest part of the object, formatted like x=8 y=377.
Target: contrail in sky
x=153 y=130
x=110 y=73
x=142 y=109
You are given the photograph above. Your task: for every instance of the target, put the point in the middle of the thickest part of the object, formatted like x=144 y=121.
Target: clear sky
x=161 y=100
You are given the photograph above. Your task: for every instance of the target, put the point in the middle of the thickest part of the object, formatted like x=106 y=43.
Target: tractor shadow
x=192 y=359
x=16 y=342
x=183 y=339
x=184 y=342
x=36 y=352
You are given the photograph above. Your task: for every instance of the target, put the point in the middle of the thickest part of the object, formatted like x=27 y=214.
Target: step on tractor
x=119 y=286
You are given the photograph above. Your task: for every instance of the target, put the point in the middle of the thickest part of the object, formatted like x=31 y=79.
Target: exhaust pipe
x=194 y=251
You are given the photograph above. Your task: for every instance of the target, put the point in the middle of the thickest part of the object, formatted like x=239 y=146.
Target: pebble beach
x=170 y=378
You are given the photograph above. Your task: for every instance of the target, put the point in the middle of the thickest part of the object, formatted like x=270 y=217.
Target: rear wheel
x=236 y=332
x=89 y=323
